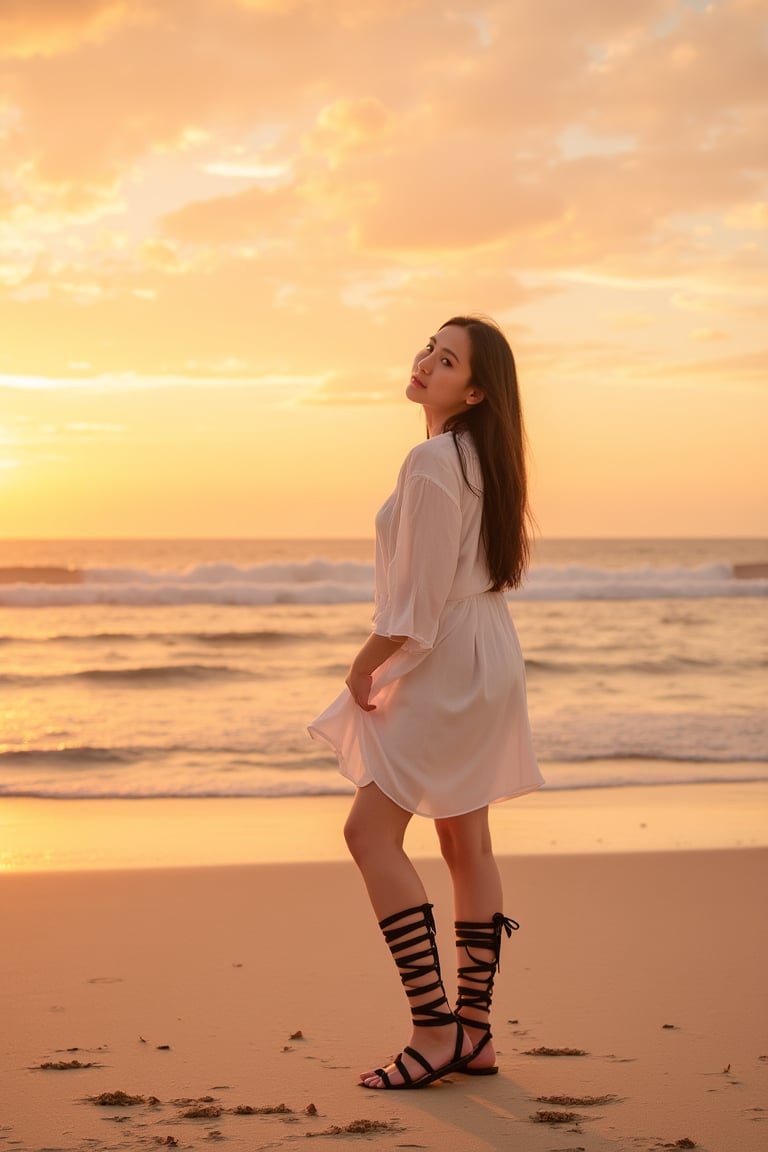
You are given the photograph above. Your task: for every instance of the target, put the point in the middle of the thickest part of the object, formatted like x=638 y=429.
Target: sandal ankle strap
x=485 y=934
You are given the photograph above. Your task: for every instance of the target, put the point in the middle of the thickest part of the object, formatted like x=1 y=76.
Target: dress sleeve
x=423 y=564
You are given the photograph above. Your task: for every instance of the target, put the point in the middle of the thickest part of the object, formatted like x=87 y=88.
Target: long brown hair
x=496 y=427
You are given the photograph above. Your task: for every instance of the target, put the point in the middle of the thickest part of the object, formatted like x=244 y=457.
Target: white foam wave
x=645 y=582
x=172 y=593
x=327 y=582
x=310 y=572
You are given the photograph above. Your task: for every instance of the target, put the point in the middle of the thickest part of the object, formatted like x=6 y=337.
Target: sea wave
x=149 y=675
x=684 y=737
x=575 y=751
x=170 y=675
x=259 y=637
x=670 y=665
x=329 y=582
x=559 y=778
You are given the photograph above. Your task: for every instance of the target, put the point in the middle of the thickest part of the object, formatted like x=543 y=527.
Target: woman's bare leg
x=465 y=842
x=374 y=832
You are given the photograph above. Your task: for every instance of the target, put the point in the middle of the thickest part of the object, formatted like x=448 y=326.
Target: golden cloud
x=504 y=169
x=30 y=28
x=251 y=215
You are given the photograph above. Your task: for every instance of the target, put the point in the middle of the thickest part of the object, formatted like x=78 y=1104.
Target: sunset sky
x=226 y=226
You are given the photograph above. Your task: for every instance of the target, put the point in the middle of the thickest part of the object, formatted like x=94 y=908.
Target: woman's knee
x=463 y=840
x=356 y=835
x=366 y=838
x=449 y=843
x=375 y=825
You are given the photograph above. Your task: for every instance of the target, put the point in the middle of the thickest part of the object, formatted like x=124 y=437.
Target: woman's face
x=441 y=377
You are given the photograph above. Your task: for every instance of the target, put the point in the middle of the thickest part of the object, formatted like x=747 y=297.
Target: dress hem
x=317 y=734
x=443 y=815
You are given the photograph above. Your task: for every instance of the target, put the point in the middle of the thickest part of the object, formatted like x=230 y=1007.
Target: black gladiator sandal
x=476 y=979
x=405 y=942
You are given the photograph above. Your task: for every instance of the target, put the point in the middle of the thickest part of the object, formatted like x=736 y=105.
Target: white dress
x=450 y=731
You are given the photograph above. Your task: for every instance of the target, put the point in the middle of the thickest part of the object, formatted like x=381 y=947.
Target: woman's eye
x=446 y=361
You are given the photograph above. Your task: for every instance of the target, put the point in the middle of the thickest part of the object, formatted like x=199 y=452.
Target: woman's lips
x=417 y=383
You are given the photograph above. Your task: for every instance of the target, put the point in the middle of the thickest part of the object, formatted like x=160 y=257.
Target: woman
x=434 y=720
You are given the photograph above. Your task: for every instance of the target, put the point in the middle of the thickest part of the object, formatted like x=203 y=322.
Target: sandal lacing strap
x=411 y=967
x=476 y=979
x=414 y=950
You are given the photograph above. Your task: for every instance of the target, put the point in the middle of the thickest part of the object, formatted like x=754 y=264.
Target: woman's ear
x=475 y=396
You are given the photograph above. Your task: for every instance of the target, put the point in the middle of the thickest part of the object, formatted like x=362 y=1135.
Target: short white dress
x=450 y=732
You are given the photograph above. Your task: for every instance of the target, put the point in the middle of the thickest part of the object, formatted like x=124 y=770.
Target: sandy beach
x=236 y=1002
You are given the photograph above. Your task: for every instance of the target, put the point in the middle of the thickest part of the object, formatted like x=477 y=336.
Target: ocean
x=191 y=668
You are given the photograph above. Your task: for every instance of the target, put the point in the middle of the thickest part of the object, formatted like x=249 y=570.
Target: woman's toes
x=373 y=1080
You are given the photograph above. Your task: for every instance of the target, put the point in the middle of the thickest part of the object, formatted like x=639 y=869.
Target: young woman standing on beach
x=434 y=719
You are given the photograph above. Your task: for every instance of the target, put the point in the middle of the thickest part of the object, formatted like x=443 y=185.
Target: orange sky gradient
x=226 y=226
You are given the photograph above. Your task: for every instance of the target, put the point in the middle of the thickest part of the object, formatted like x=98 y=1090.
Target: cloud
x=505 y=168
x=359 y=387
x=480 y=114
x=747 y=369
x=159 y=254
x=348 y=127
x=247 y=216
x=198 y=377
x=31 y=28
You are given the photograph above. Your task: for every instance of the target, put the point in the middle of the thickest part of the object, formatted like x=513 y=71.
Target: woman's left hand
x=359 y=685
x=375 y=651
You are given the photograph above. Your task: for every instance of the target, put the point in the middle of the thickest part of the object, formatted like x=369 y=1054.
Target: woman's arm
x=376 y=650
